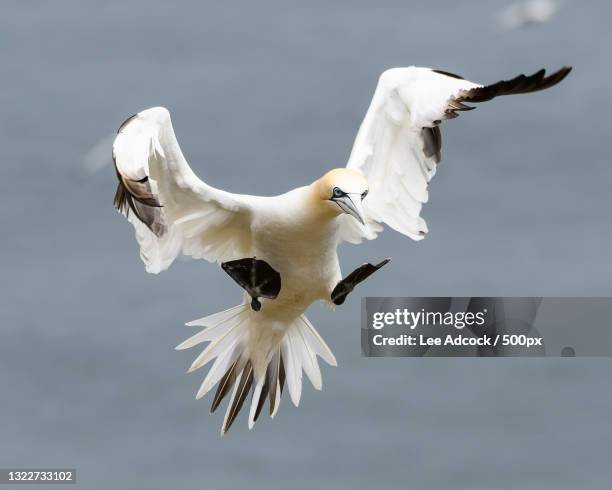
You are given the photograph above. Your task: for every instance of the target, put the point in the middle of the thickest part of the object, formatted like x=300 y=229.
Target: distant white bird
x=527 y=13
x=282 y=250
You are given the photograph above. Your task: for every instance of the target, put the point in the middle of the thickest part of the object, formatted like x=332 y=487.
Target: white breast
x=301 y=248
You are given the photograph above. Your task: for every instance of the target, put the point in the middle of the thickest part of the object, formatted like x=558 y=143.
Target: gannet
x=282 y=250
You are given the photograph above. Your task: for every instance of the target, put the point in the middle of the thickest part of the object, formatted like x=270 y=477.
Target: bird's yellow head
x=342 y=190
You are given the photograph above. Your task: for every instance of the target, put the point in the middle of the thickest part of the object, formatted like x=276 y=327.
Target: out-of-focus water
x=266 y=96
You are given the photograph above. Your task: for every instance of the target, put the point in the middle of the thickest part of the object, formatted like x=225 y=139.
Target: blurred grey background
x=266 y=96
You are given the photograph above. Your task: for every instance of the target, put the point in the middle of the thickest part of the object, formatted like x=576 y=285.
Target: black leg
x=256 y=277
x=346 y=285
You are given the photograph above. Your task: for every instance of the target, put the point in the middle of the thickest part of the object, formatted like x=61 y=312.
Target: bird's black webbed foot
x=346 y=285
x=256 y=277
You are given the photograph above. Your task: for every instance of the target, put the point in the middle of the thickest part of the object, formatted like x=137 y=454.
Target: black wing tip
x=563 y=72
x=383 y=263
x=564 y=69
x=550 y=80
x=521 y=84
x=542 y=81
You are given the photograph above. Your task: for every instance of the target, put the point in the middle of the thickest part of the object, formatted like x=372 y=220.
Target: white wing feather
x=390 y=148
x=187 y=215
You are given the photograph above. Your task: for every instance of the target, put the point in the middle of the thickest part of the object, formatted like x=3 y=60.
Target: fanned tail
x=242 y=365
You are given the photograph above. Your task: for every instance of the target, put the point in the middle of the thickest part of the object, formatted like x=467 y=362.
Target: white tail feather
x=316 y=342
x=276 y=401
x=210 y=333
x=255 y=401
x=220 y=344
x=218 y=369
x=307 y=357
x=229 y=334
x=293 y=369
x=212 y=320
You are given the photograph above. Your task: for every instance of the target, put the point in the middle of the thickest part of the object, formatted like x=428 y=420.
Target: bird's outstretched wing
x=171 y=209
x=398 y=144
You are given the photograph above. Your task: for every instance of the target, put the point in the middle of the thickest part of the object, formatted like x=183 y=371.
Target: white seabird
x=283 y=249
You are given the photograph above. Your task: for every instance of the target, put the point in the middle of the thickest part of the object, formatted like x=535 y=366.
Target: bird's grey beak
x=351 y=204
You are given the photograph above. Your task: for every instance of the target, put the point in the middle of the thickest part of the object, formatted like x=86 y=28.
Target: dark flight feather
x=262 y=398
x=281 y=375
x=521 y=84
x=226 y=383
x=276 y=376
x=432 y=143
x=137 y=196
x=133 y=196
x=244 y=386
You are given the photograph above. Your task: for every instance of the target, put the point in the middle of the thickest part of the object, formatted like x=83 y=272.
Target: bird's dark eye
x=365 y=193
x=337 y=192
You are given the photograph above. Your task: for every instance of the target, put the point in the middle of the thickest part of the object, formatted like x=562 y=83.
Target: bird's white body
x=297 y=233
x=301 y=245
